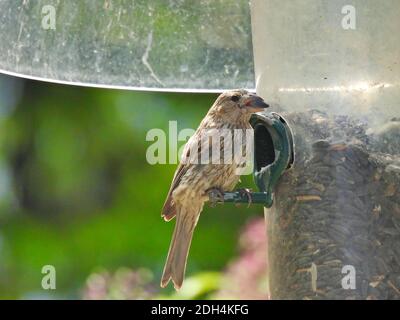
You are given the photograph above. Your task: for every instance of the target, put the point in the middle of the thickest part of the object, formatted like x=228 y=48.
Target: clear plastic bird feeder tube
x=332 y=70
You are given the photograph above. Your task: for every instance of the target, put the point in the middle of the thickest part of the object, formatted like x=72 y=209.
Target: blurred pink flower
x=246 y=276
x=124 y=284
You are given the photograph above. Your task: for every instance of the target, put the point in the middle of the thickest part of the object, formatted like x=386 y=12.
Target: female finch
x=196 y=180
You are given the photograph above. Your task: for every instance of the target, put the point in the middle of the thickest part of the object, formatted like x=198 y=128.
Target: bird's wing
x=168 y=212
x=201 y=146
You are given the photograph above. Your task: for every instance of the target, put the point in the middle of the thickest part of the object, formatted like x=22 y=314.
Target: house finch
x=195 y=181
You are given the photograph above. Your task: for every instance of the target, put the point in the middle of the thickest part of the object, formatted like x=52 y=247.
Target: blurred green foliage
x=80 y=194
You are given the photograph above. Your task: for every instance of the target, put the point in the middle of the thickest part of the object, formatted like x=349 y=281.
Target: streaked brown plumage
x=192 y=181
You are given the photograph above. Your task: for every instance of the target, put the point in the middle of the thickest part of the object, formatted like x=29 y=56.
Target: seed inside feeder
x=338 y=206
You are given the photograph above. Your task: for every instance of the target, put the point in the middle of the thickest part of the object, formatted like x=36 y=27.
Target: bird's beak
x=255 y=103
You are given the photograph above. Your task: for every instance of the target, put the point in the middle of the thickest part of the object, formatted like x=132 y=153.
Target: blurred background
x=76 y=192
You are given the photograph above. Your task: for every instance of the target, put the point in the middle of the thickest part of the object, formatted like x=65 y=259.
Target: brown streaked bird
x=194 y=183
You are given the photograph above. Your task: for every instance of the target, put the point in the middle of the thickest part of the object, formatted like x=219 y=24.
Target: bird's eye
x=235 y=98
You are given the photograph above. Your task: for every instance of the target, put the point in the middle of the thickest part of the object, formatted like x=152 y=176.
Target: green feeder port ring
x=273 y=154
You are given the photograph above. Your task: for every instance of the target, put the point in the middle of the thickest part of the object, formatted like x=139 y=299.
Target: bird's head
x=238 y=104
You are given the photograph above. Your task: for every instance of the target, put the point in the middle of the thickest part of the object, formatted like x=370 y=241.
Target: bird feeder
x=197 y=46
x=331 y=69
x=273 y=154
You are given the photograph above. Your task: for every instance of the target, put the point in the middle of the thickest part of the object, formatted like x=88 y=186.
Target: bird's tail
x=179 y=248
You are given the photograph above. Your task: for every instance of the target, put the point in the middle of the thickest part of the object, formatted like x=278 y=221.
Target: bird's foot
x=215 y=196
x=247 y=193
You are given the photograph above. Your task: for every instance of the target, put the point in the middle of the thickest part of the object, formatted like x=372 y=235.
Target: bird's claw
x=215 y=196
x=247 y=193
